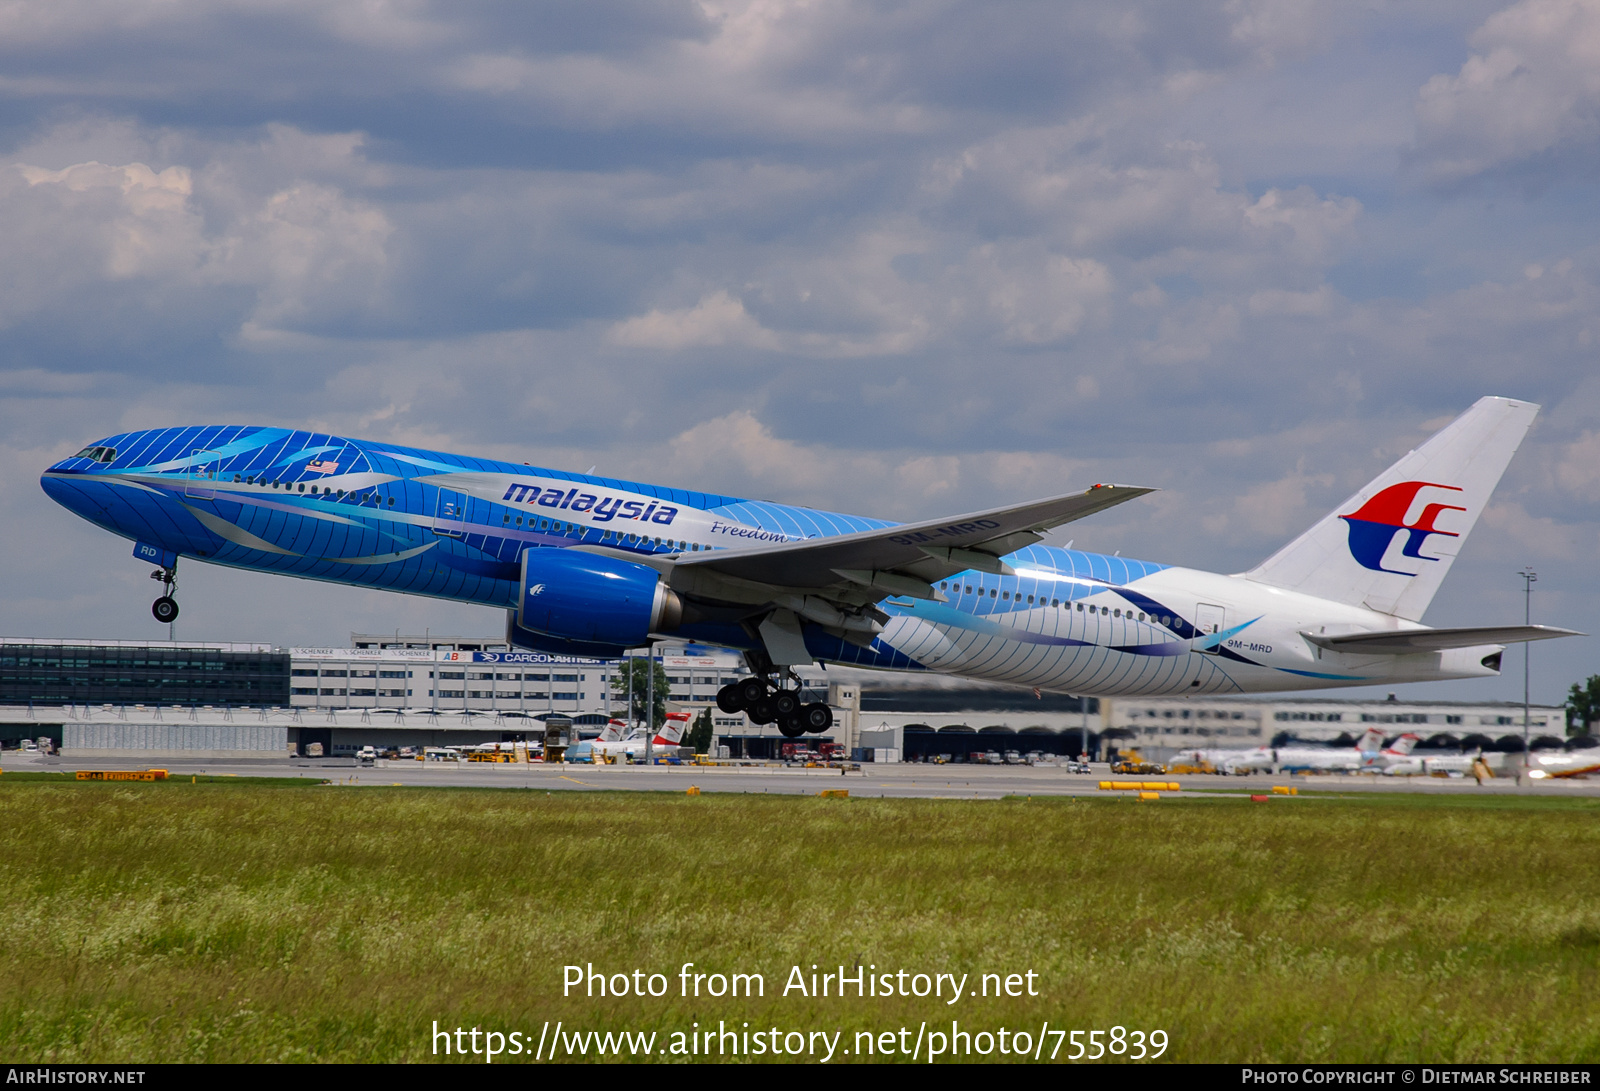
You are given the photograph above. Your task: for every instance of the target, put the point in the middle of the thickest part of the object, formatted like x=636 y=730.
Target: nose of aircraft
x=67 y=483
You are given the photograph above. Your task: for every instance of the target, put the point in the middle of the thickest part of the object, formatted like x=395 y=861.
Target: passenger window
x=391 y=501
x=969 y=589
x=302 y=486
x=1080 y=607
x=1055 y=602
x=519 y=520
x=1141 y=616
x=1005 y=594
x=1030 y=600
x=991 y=592
x=236 y=479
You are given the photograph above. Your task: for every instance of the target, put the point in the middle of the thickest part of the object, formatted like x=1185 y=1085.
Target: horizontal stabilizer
x=1407 y=641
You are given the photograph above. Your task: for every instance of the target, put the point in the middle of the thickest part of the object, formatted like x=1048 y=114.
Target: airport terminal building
x=116 y=698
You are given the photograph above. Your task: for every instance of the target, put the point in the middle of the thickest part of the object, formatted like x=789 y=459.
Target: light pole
x=1529 y=578
x=1083 y=707
x=650 y=707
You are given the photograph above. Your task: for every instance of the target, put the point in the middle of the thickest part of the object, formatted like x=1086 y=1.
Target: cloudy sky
x=904 y=259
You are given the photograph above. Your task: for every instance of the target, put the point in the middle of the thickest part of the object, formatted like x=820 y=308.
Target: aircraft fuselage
x=324 y=507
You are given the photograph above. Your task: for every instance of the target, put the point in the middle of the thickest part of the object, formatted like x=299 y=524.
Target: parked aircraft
x=590 y=565
x=1568 y=763
x=1368 y=753
x=1414 y=765
x=1331 y=759
x=666 y=740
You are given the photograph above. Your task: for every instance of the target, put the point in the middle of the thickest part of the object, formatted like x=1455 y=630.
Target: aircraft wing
x=906 y=559
x=1407 y=641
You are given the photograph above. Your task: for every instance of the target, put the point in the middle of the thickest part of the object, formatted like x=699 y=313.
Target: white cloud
x=718 y=319
x=1578 y=467
x=307 y=252
x=1045 y=300
x=1271 y=509
x=1532 y=85
x=1277 y=301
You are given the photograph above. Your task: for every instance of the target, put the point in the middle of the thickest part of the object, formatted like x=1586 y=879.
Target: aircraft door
x=201 y=483
x=1209 y=619
x=450 y=514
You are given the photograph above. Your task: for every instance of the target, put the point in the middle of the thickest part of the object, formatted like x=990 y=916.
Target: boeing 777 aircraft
x=588 y=565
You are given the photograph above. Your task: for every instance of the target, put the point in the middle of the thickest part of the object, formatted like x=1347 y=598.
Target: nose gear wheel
x=165 y=608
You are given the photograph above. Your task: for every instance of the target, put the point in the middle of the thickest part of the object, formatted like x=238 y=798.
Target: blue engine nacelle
x=586 y=602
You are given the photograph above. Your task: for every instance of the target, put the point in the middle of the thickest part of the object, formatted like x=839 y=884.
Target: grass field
x=249 y=922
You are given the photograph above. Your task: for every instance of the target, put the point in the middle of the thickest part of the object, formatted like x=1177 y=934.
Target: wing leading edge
x=907 y=559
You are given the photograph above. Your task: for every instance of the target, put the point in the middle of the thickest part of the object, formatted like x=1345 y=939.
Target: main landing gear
x=764 y=704
x=165 y=608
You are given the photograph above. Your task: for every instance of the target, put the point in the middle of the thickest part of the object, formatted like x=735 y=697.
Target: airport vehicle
x=1133 y=763
x=590 y=565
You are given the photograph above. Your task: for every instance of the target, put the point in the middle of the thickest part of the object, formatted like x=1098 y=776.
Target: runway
x=871 y=781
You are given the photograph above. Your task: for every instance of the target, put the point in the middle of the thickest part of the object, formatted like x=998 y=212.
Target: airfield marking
x=575 y=780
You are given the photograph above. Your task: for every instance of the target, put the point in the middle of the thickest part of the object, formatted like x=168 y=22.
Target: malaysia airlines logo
x=1374 y=525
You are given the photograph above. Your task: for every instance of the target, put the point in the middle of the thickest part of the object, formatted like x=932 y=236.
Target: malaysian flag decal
x=317 y=465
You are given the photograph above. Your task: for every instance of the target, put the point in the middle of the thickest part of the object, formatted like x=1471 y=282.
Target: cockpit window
x=99 y=454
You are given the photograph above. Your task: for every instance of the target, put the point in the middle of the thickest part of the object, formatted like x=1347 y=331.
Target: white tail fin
x=613 y=731
x=1403 y=745
x=1389 y=546
x=1371 y=739
x=671 y=732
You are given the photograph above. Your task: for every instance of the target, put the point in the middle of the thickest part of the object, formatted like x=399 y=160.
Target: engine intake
x=582 y=598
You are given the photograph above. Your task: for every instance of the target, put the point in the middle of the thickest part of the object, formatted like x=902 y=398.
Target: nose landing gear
x=165 y=608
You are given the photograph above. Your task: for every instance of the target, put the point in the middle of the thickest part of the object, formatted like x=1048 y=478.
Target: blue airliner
x=590 y=565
